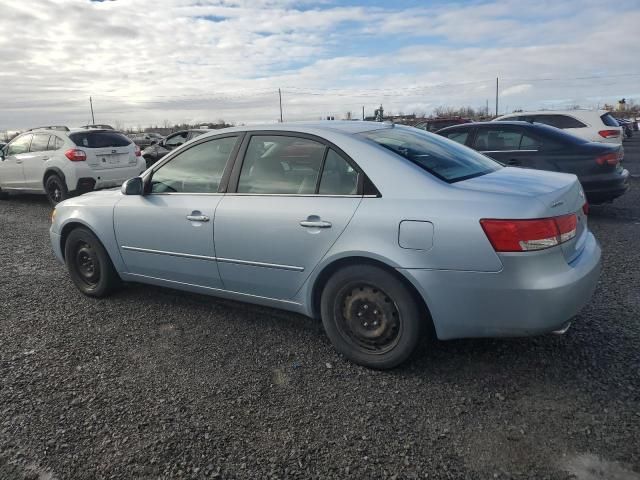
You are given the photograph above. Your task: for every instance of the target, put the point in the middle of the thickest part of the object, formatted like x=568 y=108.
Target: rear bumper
x=533 y=294
x=606 y=189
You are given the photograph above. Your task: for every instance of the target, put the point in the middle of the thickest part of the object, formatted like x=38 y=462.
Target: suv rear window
x=443 y=158
x=101 y=139
x=609 y=121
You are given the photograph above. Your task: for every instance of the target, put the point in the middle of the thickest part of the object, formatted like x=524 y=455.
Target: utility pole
x=486 y=109
x=496 y=96
x=362 y=112
x=280 y=96
x=93 y=120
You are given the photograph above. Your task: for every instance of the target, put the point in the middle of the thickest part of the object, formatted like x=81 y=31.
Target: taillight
x=585 y=208
x=609 y=133
x=75 y=155
x=608 y=159
x=138 y=152
x=527 y=235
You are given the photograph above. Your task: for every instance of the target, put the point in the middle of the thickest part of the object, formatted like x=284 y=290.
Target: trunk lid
x=560 y=193
x=105 y=149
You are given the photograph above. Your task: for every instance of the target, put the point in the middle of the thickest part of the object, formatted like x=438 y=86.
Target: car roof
x=341 y=126
x=576 y=112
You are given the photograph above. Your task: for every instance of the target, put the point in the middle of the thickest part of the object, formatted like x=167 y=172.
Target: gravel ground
x=157 y=384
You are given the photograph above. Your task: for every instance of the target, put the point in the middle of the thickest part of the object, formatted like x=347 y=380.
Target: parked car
x=155 y=152
x=627 y=127
x=435 y=124
x=592 y=125
x=61 y=163
x=539 y=146
x=98 y=126
x=379 y=230
x=146 y=139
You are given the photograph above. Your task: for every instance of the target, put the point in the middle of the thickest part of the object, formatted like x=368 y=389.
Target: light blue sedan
x=386 y=233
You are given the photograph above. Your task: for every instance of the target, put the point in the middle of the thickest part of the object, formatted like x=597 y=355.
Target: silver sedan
x=386 y=233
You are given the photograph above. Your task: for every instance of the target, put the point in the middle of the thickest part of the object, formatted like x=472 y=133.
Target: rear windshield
x=439 y=156
x=609 y=121
x=93 y=139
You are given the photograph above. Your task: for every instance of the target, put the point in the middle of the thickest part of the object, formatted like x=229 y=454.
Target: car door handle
x=315 y=224
x=197 y=218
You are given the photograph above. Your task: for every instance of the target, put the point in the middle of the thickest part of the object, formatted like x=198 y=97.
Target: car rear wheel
x=371 y=317
x=56 y=189
x=89 y=264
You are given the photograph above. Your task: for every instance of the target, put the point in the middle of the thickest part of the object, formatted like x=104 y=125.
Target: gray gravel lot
x=152 y=383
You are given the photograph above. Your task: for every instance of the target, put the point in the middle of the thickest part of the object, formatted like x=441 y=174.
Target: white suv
x=61 y=162
x=592 y=125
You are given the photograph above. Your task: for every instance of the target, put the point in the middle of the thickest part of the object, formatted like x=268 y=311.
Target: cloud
x=516 y=89
x=190 y=60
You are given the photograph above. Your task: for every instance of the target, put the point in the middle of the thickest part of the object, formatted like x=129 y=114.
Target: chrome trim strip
x=213 y=259
x=215 y=289
x=186 y=193
x=292 y=195
x=171 y=254
x=261 y=264
x=506 y=151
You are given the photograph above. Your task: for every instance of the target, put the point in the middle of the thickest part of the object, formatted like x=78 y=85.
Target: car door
x=290 y=198
x=34 y=164
x=11 y=170
x=502 y=143
x=168 y=232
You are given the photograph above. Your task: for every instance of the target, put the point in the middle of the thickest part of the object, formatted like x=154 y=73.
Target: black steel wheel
x=371 y=317
x=368 y=317
x=89 y=264
x=56 y=189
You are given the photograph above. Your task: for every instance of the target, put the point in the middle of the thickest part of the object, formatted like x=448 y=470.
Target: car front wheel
x=89 y=264
x=371 y=317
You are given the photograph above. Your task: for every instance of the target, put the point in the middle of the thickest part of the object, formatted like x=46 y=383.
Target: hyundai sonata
x=386 y=233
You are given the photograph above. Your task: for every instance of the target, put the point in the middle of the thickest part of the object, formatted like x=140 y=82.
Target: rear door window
x=275 y=164
x=559 y=121
x=446 y=160
x=338 y=177
x=39 y=142
x=530 y=142
x=497 y=139
x=99 y=139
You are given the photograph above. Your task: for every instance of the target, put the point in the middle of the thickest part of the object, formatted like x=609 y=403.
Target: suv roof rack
x=101 y=126
x=60 y=128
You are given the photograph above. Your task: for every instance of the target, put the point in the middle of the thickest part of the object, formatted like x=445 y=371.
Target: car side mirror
x=133 y=186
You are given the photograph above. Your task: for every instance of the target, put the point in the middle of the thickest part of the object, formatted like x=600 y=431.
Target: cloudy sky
x=145 y=62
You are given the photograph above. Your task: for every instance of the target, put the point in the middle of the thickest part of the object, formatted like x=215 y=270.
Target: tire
x=56 y=189
x=4 y=195
x=371 y=317
x=89 y=264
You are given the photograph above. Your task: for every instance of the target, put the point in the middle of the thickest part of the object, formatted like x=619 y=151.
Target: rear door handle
x=197 y=218
x=315 y=224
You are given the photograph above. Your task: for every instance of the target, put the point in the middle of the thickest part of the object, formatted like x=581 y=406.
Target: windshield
x=99 y=139
x=439 y=156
